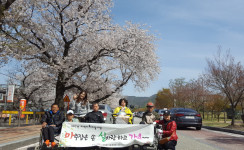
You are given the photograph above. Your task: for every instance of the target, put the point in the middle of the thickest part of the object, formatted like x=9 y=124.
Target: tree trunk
x=224 y=117
x=203 y=112
x=242 y=117
x=233 y=116
x=212 y=116
x=59 y=95
x=60 y=89
x=242 y=109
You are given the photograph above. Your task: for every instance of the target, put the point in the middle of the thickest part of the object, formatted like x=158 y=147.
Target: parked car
x=107 y=112
x=156 y=110
x=134 y=114
x=140 y=114
x=186 y=117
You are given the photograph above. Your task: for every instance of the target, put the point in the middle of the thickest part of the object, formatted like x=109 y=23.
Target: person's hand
x=53 y=125
x=44 y=124
x=157 y=126
x=75 y=97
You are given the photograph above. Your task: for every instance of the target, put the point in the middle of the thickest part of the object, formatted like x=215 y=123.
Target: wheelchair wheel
x=38 y=147
x=41 y=141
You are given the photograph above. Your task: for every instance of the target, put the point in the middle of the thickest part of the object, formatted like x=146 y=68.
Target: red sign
x=22 y=106
x=66 y=98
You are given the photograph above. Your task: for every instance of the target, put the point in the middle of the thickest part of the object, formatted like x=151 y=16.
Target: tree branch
x=125 y=81
x=73 y=86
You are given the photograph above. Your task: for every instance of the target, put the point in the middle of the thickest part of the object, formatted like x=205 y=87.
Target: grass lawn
x=221 y=124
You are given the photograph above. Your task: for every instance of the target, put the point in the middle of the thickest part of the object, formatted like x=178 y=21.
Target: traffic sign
x=66 y=98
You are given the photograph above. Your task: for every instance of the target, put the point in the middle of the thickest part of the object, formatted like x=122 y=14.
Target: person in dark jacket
x=170 y=137
x=51 y=123
x=95 y=116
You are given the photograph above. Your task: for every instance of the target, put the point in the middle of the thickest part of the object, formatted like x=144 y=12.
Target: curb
x=19 y=143
x=224 y=130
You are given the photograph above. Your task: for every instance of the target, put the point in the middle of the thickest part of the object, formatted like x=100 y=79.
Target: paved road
x=191 y=139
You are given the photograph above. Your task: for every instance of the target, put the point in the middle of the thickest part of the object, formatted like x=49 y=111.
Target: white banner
x=105 y=135
x=10 y=97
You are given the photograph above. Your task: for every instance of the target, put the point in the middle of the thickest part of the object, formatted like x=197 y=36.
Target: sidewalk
x=224 y=130
x=11 y=138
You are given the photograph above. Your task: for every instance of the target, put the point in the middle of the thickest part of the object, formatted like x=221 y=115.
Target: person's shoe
x=47 y=143
x=54 y=145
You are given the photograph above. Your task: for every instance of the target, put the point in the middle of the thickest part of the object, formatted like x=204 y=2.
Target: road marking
x=25 y=147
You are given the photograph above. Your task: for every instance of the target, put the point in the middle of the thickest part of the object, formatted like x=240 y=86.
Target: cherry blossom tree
x=75 y=45
x=37 y=91
x=4 y=5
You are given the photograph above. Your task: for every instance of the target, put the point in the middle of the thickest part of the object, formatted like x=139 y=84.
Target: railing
x=22 y=115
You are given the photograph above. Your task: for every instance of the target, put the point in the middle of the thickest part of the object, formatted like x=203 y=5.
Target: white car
x=107 y=112
x=104 y=108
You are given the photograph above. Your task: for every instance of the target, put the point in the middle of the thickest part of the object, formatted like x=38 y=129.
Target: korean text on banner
x=105 y=135
x=10 y=97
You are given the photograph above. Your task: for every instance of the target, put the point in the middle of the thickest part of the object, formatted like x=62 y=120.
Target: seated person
x=150 y=116
x=170 y=137
x=95 y=116
x=51 y=123
x=123 y=109
x=70 y=116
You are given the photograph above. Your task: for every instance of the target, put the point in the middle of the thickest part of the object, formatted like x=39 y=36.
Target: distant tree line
x=220 y=87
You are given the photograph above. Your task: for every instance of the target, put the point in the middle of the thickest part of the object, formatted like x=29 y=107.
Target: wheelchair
x=123 y=118
x=41 y=141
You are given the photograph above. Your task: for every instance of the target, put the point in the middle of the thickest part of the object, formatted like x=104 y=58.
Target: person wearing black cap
x=149 y=116
x=170 y=137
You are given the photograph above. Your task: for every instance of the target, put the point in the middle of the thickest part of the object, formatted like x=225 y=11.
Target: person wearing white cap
x=70 y=116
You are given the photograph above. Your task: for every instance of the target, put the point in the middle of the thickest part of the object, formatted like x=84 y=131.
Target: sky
x=188 y=32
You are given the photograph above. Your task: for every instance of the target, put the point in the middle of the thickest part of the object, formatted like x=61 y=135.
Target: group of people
x=52 y=120
x=169 y=139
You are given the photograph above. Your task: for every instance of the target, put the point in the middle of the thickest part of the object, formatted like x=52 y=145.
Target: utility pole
x=203 y=99
x=5 y=103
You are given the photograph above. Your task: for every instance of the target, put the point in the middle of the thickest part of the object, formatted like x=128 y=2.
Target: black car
x=186 y=117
